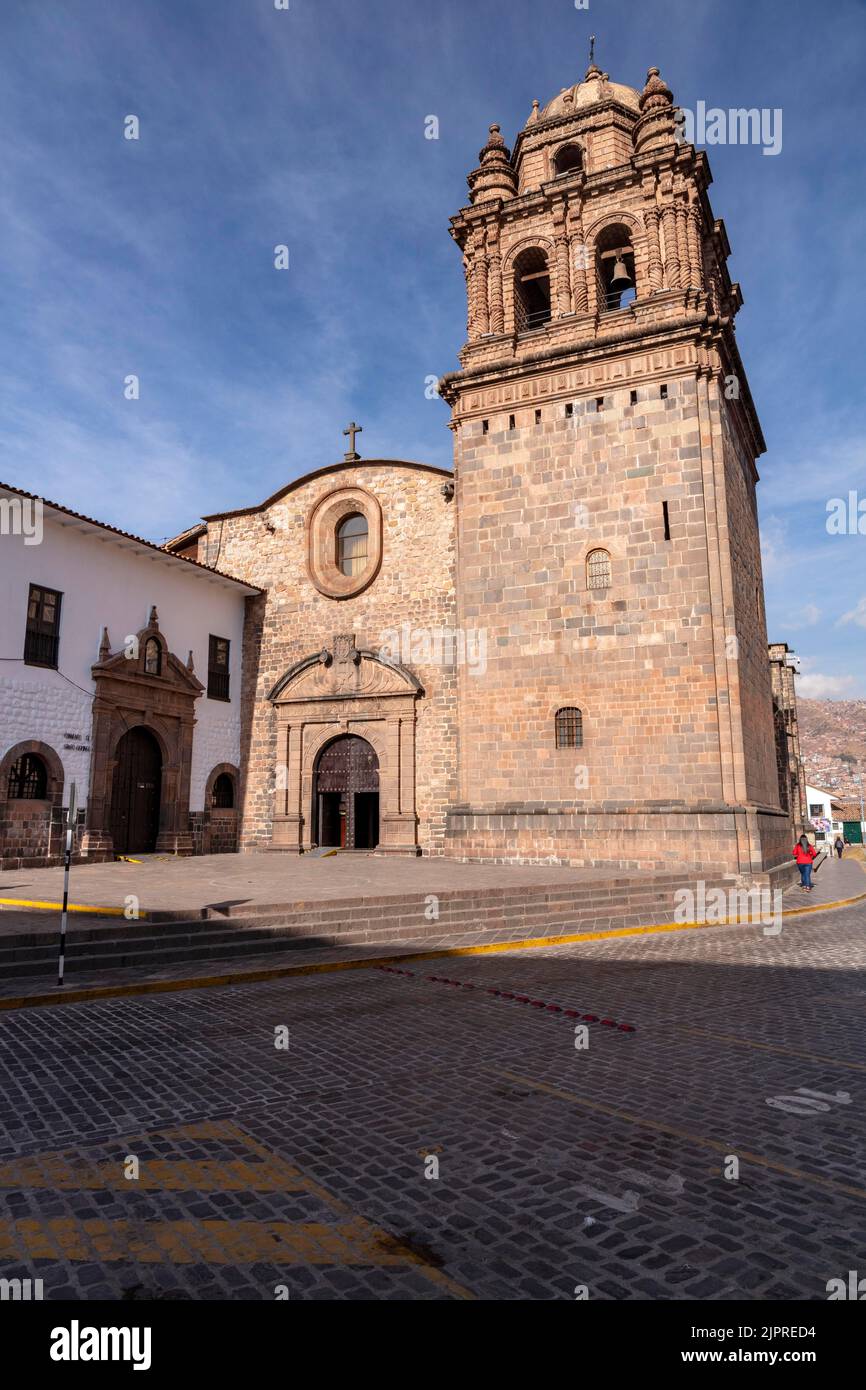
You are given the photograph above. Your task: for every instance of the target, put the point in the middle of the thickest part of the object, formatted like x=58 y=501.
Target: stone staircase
x=236 y=933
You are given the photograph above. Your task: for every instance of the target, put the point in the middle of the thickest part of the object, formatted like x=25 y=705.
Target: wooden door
x=346 y=768
x=136 y=793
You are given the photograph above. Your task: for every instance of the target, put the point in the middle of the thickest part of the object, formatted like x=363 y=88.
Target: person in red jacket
x=804 y=853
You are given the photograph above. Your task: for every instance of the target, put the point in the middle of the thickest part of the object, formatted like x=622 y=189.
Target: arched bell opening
x=531 y=290
x=614 y=260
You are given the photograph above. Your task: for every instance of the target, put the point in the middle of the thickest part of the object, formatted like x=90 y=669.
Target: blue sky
x=306 y=127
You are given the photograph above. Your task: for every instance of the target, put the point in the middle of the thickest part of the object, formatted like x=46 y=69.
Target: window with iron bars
x=28 y=779
x=569 y=727
x=598 y=570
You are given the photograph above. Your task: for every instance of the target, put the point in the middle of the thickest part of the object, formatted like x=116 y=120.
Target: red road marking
x=517 y=998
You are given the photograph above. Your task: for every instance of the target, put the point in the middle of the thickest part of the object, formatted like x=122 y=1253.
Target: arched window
x=352 y=536
x=569 y=727
x=152 y=657
x=614 y=261
x=568 y=158
x=28 y=779
x=531 y=290
x=598 y=570
x=222 y=798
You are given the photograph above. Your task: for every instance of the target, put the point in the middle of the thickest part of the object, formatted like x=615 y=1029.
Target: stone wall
x=754 y=686
x=636 y=658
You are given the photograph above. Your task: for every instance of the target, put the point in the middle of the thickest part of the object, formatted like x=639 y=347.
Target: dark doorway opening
x=366 y=820
x=346 y=795
x=332 y=820
x=135 y=795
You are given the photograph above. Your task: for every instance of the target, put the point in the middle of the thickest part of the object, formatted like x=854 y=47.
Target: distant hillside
x=833 y=742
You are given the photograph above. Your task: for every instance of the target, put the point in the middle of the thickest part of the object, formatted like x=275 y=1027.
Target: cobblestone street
x=305 y=1171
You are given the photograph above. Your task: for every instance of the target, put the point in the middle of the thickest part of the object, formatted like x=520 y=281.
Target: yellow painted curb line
x=282 y=972
x=822 y=907
x=71 y=907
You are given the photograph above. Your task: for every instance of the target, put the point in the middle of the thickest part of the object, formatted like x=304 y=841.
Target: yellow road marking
x=827 y=1184
x=435 y=1276
x=765 y=1047
x=61 y=1173
x=71 y=907
x=91 y=993
x=350 y=1240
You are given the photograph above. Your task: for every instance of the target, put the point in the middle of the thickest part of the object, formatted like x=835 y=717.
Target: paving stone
x=604 y=1169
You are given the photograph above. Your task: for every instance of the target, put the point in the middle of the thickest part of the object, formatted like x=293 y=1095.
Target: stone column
x=654 y=255
x=686 y=280
x=578 y=256
x=478 y=312
x=693 y=232
x=96 y=839
x=559 y=271
x=494 y=282
x=397 y=818
x=672 y=260
x=290 y=827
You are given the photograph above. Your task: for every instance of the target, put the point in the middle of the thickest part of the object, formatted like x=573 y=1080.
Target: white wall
x=815 y=797
x=105 y=583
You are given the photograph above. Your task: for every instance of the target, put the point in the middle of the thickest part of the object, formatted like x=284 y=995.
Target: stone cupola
x=494 y=177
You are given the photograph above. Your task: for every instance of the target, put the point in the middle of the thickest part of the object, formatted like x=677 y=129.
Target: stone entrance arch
x=336 y=692
x=142 y=684
x=346 y=794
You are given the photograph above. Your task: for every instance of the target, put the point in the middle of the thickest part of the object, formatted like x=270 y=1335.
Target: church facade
x=558 y=652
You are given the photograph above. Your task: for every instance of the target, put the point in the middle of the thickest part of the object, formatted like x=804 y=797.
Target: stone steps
x=237 y=931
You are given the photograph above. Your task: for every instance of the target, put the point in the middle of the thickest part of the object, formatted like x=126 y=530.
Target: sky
x=305 y=127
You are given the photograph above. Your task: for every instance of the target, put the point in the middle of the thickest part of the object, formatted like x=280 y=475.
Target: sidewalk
x=836 y=880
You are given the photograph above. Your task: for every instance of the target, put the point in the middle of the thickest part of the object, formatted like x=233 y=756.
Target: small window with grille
x=598 y=569
x=28 y=779
x=223 y=795
x=42 y=637
x=218 y=668
x=569 y=727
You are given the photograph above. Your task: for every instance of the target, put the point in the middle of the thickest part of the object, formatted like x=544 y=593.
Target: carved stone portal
x=345 y=690
x=142 y=686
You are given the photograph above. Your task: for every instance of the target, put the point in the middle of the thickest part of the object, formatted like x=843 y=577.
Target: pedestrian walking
x=839 y=845
x=805 y=854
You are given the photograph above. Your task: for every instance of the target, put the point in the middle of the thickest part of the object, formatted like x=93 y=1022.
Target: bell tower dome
x=605 y=447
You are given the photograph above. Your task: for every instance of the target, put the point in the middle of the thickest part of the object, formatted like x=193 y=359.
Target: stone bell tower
x=608 y=551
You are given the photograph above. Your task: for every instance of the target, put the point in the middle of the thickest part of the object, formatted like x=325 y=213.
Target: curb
x=70 y=907
x=89 y=994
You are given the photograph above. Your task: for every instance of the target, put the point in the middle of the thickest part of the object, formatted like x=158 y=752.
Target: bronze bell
x=621 y=280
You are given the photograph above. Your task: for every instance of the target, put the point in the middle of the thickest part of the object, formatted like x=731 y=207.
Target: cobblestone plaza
x=540 y=1124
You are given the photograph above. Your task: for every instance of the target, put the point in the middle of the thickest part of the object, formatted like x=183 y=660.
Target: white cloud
x=815 y=686
x=808 y=617
x=855 y=615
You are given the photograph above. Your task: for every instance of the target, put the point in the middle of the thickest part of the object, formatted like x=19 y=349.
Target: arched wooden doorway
x=346 y=794
x=135 y=793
